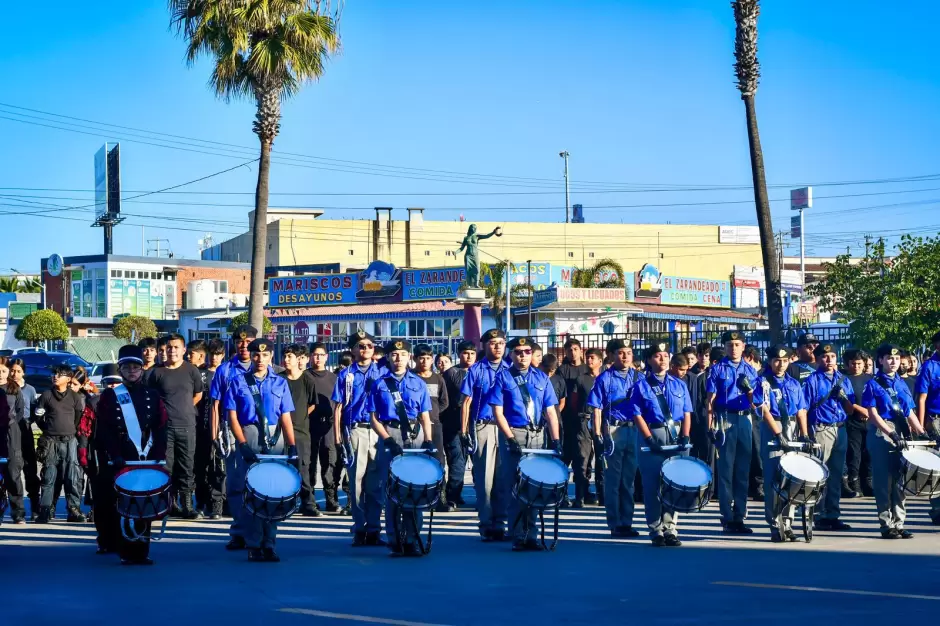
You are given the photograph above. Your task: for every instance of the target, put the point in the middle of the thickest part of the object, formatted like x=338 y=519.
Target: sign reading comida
x=432 y=284
x=696 y=292
x=312 y=290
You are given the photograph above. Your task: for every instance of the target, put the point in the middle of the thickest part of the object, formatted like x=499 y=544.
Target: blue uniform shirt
x=611 y=393
x=505 y=393
x=878 y=397
x=644 y=400
x=224 y=375
x=723 y=382
x=414 y=396
x=790 y=390
x=928 y=381
x=822 y=409
x=352 y=390
x=275 y=396
x=476 y=385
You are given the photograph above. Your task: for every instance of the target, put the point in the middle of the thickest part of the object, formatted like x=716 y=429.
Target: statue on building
x=471 y=259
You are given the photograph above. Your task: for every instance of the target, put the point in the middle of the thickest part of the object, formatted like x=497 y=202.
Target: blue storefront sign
x=316 y=290
x=432 y=284
x=695 y=291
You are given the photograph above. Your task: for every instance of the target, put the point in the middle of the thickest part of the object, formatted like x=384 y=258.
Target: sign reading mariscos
x=432 y=284
x=312 y=290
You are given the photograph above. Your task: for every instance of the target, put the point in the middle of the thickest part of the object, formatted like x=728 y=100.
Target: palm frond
x=589 y=277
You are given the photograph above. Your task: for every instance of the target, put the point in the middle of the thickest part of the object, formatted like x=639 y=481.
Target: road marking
x=854 y=592
x=357 y=618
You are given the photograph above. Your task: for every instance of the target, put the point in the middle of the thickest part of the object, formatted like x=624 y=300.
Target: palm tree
x=747 y=69
x=9 y=284
x=264 y=50
x=492 y=276
x=31 y=285
x=589 y=277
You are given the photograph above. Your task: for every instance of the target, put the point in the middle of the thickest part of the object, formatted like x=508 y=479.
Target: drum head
x=419 y=469
x=922 y=458
x=803 y=466
x=686 y=471
x=273 y=479
x=142 y=480
x=543 y=469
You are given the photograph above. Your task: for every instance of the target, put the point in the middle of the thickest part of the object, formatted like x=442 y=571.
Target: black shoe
x=577 y=504
x=410 y=549
x=600 y=499
x=672 y=540
x=890 y=533
x=104 y=550
x=359 y=539
x=905 y=534
x=256 y=555
x=832 y=524
x=590 y=499
x=565 y=504
x=90 y=518
x=518 y=545
x=628 y=531
x=176 y=512
x=498 y=534
x=19 y=518
x=345 y=510
x=143 y=561
x=935 y=520
x=738 y=528
x=867 y=491
x=847 y=492
x=373 y=538
x=215 y=516
x=451 y=507
x=310 y=511
x=332 y=507
x=270 y=555
x=532 y=545
x=775 y=536
x=658 y=541
x=44 y=515
x=75 y=517
x=789 y=535
x=459 y=501
x=236 y=543
x=442 y=507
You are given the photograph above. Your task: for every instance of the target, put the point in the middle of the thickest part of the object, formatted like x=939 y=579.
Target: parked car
x=94 y=372
x=39 y=364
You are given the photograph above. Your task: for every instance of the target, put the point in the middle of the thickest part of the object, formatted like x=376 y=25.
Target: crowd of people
x=609 y=415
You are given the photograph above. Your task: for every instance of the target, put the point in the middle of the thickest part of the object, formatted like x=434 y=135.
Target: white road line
x=357 y=618
x=854 y=592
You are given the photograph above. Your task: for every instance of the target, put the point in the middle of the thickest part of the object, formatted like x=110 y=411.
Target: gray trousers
x=392 y=510
x=256 y=532
x=620 y=476
x=366 y=482
x=771 y=461
x=525 y=525
x=835 y=442
x=491 y=501
x=885 y=473
x=658 y=520
x=933 y=428
x=61 y=463
x=734 y=464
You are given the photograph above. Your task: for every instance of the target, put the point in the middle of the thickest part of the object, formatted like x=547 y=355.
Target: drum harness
x=659 y=392
x=836 y=389
x=630 y=379
x=254 y=386
x=897 y=416
x=348 y=382
x=408 y=435
x=472 y=427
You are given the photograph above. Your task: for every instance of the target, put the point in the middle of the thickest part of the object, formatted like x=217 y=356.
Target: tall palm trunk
x=764 y=224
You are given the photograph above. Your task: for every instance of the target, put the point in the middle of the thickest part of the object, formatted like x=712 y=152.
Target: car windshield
x=71 y=360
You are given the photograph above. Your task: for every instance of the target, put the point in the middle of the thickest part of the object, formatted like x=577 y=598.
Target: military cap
x=616 y=344
x=656 y=348
x=245 y=331
x=399 y=344
x=110 y=374
x=356 y=337
x=261 y=345
x=806 y=339
x=778 y=351
x=732 y=335
x=491 y=334
x=465 y=345
x=824 y=348
x=888 y=349
x=520 y=342
x=935 y=338
x=131 y=354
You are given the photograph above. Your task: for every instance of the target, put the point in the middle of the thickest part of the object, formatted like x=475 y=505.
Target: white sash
x=130 y=420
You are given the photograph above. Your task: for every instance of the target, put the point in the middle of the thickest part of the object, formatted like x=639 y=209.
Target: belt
x=827 y=426
x=618 y=423
x=655 y=426
x=362 y=425
x=484 y=422
x=729 y=412
x=533 y=429
x=397 y=424
x=586 y=416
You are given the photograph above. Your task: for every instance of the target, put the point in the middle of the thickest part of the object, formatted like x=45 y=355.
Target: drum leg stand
x=550 y=548
x=808 y=511
x=130 y=533
x=405 y=517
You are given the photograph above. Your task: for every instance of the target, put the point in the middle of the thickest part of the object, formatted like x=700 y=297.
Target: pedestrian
x=703 y=448
x=84 y=433
x=443 y=362
x=209 y=462
x=162 y=343
x=179 y=385
x=451 y=427
x=549 y=365
x=755 y=481
x=11 y=413
x=325 y=457
x=571 y=369
x=927 y=400
x=196 y=353
x=702 y=358
x=805 y=364
x=537 y=356
x=908 y=370
x=27 y=442
x=594 y=359
x=304 y=398
x=857 y=459
x=424 y=369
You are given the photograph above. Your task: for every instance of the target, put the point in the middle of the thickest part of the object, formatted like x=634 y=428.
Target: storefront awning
x=693 y=314
x=367 y=312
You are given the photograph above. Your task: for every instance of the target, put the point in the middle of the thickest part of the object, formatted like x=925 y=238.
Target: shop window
x=397 y=328
x=117 y=273
x=427 y=253
x=352 y=252
x=416 y=328
x=571 y=255
x=590 y=255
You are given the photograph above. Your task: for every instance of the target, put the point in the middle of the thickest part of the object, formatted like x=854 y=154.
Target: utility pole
x=508 y=302
x=529 y=283
x=800 y=200
x=564 y=154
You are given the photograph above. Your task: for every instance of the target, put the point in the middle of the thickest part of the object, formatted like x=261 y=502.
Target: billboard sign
x=432 y=284
x=696 y=292
x=108 y=181
x=796 y=228
x=738 y=234
x=315 y=290
x=54 y=265
x=101 y=182
x=801 y=198
x=380 y=280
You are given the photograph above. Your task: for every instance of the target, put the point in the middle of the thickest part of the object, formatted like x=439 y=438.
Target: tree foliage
x=895 y=300
x=604 y=274
x=134 y=327
x=15 y=284
x=42 y=325
x=242 y=318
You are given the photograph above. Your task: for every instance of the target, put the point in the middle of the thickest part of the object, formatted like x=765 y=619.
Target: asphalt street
x=52 y=576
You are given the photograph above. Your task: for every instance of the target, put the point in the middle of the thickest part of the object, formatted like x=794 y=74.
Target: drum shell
x=796 y=491
x=146 y=506
x=917 y=481
x=413 y=496
x=683 y=498
x=268 y=508
x=539 y=494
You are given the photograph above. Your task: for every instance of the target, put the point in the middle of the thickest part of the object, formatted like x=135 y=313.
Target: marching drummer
x=891 y=420
x=783 y=408
x=352 y=429
x=258 y=406
x=927 y=397
x=661 y=406
x=397 y=404
x=523 y=400
x=118 y=440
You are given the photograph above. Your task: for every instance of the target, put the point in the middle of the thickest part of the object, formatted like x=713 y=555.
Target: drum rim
x=918 y=452
x=541 y=457
x=699 y=462
x=815 y=459
x=150 y=492
x=422 y=458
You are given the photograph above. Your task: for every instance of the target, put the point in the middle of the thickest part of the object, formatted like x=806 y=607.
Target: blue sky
x=640 y=93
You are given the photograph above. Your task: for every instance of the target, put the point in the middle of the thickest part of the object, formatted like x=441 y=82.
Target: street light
x=564 y=154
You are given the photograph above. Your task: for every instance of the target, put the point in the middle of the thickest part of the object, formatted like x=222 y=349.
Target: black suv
x=39 y=366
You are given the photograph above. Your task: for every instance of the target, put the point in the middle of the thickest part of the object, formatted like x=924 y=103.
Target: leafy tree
x=14 y=284
x=886 y=300
x=590 y=277
x=493 y=276
x=263 y=50
x=747 y=69
x=42 y=325
x=134 y=327
x=242 y=318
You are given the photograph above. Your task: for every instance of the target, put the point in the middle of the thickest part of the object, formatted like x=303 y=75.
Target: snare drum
x=415 y=481
x=686 y=484
x=542 y=481
x=143 y=492
x=272 y=488
x=800 y=479
x=920 y=472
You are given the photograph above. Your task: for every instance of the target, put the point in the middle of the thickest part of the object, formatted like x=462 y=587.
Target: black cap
x=110 y=373
x=131 y=354
x=935 y=338
x=520 y=342
x=806 y=338
x=616 y=344
x=888 y=349
x=824 y=348
x=656 y=348
x=465 y=345
x=491 y=334
x=423 y=349
x=245 y=331
x=260 y=345
x=778 y=351
x=732 y=335
x=398 y=344
x=358 y=336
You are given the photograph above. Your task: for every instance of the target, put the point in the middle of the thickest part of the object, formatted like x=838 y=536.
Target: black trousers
x=857 y=459
x=456 y=462
x=569 y=428
x=208 y=472
x=325 y=456
x=437 y=436
x=582 y=461
x=304 y=457
x=756 y=475
x=181 y=457
x=10 y=488
x=108 y=522
x=30 y=463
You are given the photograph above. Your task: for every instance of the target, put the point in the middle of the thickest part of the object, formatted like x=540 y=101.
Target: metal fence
x=335 y=346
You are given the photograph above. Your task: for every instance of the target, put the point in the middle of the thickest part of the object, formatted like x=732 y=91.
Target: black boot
x=186 y=507
x=847 y=491
x=45 y=514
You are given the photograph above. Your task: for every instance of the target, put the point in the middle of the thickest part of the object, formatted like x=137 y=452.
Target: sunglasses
x=365 y=346
x=522 y=351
